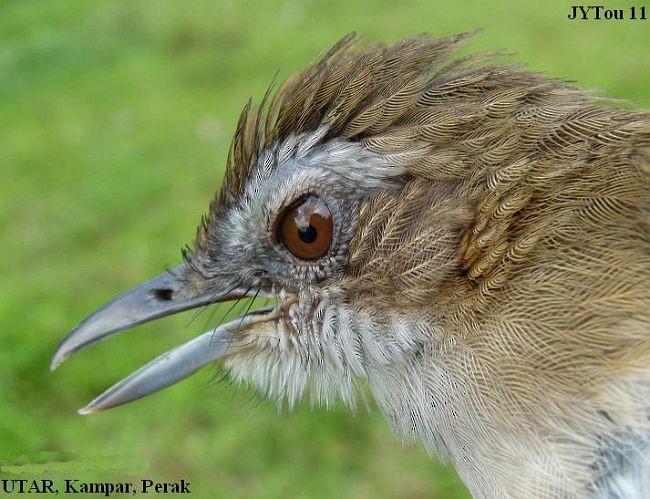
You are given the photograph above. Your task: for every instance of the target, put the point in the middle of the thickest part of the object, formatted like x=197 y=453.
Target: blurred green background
x=115 y=119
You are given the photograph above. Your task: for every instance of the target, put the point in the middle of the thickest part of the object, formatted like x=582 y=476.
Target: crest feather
x=354 y=90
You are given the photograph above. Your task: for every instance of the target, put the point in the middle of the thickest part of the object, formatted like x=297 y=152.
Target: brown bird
x=468 y=239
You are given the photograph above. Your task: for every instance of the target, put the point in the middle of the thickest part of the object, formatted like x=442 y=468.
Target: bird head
x=319 y=210
x=416 y=220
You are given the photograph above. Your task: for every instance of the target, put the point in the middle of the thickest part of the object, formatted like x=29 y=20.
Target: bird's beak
x=163 y=295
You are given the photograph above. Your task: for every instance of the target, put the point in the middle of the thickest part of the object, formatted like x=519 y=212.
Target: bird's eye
x=306 y=228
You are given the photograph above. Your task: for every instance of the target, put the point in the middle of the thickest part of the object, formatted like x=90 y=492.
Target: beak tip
x=57 y=359
x=54 y=363
x=89 y=409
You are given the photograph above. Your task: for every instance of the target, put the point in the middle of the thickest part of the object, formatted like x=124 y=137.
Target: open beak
x=163 y=295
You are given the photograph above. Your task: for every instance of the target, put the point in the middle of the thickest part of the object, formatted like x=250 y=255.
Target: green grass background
x=115 y=119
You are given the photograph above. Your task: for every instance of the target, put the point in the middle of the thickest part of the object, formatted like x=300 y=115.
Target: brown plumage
x=490 y=274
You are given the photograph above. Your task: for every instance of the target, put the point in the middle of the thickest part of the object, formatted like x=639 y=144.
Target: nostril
x=163 y=294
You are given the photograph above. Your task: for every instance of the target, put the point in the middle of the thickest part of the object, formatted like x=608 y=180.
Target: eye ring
x=306 y=228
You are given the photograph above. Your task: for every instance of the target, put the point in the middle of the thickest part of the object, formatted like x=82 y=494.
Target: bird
x=464 y=239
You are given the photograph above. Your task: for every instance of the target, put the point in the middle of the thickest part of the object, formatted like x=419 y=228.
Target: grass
x=115 y=118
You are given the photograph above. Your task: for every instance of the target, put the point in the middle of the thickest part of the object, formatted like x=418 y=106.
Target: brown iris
x=306 y=228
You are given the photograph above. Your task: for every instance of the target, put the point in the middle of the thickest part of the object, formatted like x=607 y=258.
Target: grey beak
x=163 y=295
x=173 y=366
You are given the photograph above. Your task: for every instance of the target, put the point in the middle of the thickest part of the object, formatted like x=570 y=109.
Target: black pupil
x=307 y=234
